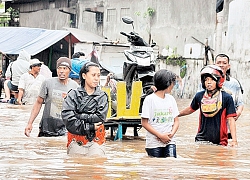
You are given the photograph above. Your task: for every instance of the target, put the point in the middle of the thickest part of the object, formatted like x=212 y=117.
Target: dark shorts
x=12 y=87
x=162 y=152
x=43 y=134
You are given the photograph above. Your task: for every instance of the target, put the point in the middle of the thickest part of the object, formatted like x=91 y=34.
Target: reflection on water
x=46 y=158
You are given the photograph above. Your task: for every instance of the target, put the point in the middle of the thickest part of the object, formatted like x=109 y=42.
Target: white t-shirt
x=160 y=113
x=31 y=87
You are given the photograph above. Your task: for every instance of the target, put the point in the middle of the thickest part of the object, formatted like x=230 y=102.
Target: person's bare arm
x=108 y=79
x=238 y=112
x=175 y=127
x=232 y=126
x=20 y=95
x=185 y=111
x=34 y=112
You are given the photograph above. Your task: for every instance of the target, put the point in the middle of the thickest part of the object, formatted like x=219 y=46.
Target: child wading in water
x=160 y=117
x=216 y=108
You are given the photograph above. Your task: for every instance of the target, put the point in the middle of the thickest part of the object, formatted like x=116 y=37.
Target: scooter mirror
x=153 y=44
x=127 y=20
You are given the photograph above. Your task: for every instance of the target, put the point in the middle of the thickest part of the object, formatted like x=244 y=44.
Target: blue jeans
x=168 y=151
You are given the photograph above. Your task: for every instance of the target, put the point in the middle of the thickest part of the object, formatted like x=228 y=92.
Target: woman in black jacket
x=84 y=111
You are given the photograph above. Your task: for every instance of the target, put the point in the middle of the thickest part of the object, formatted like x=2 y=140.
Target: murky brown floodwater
x=46 y=158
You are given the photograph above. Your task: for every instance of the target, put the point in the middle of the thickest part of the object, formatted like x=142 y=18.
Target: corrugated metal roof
x=33 y=40
x=85 y=36
x=21 y=1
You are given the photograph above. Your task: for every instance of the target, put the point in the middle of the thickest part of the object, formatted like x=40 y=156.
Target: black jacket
x=80 y=111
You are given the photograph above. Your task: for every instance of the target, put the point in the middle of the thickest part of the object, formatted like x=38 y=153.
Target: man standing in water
x=216 y=109
x=231 y=85
x=30 y=83
x=52 y=92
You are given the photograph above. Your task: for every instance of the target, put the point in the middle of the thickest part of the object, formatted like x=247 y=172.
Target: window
x=125 y=12
x=99 y=17
x=111 y=15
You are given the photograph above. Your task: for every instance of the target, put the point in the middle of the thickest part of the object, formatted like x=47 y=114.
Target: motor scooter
x=140 y=63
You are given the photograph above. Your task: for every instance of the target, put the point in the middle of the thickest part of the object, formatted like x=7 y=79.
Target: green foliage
x=174 y=53
x=177 y=60
x=183 y=72
x=4 y=19
x=13 y=13
x=1 y=5
x=138 y=13
x=149 y=12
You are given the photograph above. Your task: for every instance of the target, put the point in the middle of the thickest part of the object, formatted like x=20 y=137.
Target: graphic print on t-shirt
x=56 y=103
x=163 y=115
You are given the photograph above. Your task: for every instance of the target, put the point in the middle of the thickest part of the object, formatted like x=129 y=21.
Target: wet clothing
x=18 y=67
x=53 y=93
x=89 y=149
x=80 y=112
x=161 y=114
x=232 y=86
x=168 y=151
x=214 y=129
x=31 y=87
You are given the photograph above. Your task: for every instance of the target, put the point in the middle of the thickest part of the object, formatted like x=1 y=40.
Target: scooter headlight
x=131 y=57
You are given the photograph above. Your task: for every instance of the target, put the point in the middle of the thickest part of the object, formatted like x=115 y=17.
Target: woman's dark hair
x=78 y=54
x=85 y=69
x=163 y=79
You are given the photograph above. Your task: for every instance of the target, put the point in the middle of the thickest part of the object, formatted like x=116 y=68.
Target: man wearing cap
x=30 y=83
x=52 y=93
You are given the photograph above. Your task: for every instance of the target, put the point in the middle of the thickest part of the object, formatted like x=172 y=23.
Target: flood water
x=45 y=158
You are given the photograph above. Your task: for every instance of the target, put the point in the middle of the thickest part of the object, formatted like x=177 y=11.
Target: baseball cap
x=35 y=62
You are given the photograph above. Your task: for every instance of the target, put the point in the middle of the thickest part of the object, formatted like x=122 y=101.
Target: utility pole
x=219 y=25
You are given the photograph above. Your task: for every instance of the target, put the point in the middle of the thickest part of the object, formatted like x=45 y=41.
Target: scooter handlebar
x=131 y=36
x=123 y=33
x=134 y=39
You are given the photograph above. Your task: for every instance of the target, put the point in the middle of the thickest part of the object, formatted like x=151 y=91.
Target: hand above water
x=28 y=130
x=234 y=144
x=97 y=125
x=165 y=138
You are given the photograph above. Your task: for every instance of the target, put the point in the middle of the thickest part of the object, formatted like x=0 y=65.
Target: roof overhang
x=33 y=40
x=84 y=36
x=95 y=9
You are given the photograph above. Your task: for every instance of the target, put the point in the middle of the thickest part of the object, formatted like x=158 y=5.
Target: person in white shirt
x=160 y=117
x=13 y=74
x=30 y=83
